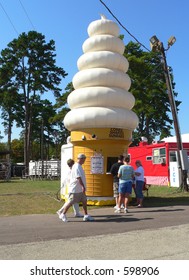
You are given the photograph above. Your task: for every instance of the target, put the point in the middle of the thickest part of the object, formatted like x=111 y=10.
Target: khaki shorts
x=115 y=189
x=77 y=198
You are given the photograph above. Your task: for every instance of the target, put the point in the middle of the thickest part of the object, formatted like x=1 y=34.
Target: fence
x=43 y=170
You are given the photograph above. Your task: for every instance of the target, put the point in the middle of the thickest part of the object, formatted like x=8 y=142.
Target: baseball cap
x=81 y=156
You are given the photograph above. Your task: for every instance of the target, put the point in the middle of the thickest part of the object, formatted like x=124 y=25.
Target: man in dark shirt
x=114 y=171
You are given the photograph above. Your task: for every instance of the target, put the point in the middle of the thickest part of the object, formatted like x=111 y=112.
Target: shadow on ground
x=165 y=201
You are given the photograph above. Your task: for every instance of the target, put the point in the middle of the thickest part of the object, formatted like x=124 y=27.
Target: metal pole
x=175 y=119
x=42 y=149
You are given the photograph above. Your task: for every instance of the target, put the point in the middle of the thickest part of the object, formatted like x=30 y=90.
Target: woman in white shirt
x=139 y=177
x=66 y=184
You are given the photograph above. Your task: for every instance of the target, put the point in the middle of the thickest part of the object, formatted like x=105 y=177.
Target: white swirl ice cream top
x=101 y=97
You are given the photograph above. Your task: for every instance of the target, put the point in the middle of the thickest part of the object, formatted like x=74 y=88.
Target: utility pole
x=157 y=45
x=42 y=148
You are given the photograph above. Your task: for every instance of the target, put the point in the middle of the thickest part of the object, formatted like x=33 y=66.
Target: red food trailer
x=159 y=161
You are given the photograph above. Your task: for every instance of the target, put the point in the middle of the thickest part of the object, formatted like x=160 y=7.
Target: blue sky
x=66 y=23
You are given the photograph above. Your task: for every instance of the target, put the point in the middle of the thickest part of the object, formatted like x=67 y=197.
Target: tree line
x=28 y=70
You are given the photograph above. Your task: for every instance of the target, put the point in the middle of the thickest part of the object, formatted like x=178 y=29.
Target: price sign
x=97 y=164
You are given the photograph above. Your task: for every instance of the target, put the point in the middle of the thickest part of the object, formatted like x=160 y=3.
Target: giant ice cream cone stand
x=100 y=120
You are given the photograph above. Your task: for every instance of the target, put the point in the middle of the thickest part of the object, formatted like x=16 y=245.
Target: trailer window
x=172 y=156
x=159 y=156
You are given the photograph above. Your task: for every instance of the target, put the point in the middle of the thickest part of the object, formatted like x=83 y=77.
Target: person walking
x=77 y=189
x=114 y=171
x=70 y=163
x=139 y=179
x=125 y=175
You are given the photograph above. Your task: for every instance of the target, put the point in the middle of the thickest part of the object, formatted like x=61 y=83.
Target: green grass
x=28 y=186
x=21 y=197
x=166 y=196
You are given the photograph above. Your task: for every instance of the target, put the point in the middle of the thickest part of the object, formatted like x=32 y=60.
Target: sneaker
x=126 y=210
x=122 y=206
x=88 y=218
x=118 y=210
x=139 y=206
x=59 y=214
x=115 y=207
x=64 y=218
x=78 y=215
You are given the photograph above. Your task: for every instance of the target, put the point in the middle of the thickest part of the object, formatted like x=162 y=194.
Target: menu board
x=97 y=164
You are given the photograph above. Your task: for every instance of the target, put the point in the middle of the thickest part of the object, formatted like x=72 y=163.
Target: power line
x=27 y=14
x=124 y=26
x=9 y=19
x=133 y=38
x=157 y=66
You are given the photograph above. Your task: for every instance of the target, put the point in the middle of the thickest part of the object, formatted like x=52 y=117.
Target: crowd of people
x=125 y=179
